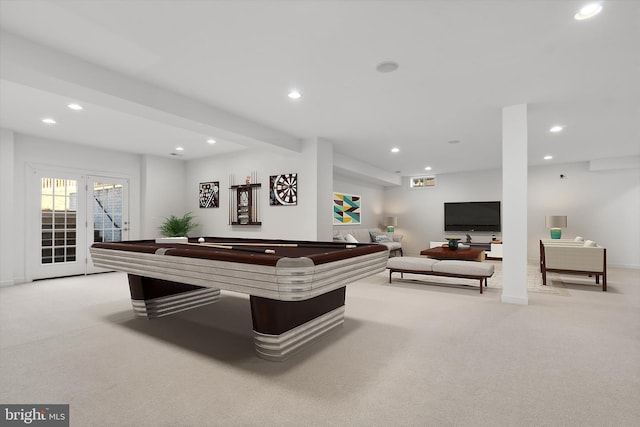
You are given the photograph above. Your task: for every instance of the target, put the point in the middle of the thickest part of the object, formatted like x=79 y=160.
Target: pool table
x=296 y=288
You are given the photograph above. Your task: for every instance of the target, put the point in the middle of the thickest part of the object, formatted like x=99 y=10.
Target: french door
x=68 y=213
x=108 y=213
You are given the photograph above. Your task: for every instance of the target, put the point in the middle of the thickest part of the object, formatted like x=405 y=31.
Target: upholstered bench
x=448 y=268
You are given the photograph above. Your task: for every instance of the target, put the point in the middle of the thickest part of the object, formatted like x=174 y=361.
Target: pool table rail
x=291 y=280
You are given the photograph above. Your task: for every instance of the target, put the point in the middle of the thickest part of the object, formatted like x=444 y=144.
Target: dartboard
x=284 y=189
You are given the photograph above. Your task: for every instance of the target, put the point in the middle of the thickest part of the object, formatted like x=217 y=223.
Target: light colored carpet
x=408 y=354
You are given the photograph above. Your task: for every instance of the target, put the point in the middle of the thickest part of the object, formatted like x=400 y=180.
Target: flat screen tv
x=472 y=216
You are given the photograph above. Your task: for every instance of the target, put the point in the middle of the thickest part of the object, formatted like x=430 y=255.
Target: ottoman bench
x=448 y=268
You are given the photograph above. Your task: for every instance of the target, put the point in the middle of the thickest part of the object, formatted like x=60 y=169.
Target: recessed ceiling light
x=179 y=148
x=588 y=11
x=294 y=94
x=211 y=141
x=395 y=150
x=556 y=128
x=548 y=157
x=49 y=121
x=76 y=107
x=387 y=67
x=428 y=168
x=455 y=141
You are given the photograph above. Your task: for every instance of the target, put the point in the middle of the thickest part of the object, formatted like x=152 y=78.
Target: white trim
x=514 y=300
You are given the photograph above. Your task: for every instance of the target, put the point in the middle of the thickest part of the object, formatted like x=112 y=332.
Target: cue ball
x=201 y=240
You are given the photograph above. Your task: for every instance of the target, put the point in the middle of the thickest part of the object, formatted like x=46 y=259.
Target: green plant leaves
x=178 y=227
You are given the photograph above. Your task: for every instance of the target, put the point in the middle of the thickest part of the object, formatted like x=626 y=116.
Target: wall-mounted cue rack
x=244 y=201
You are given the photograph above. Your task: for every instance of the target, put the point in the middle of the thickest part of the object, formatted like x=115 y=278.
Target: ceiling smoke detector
x=387 y=67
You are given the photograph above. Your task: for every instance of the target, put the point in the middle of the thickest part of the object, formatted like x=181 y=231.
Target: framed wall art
x=347 y=209
x=209 y=195
x=283 y=189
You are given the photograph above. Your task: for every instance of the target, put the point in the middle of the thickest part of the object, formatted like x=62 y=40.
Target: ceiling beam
x=349 y=166
x=34 y=65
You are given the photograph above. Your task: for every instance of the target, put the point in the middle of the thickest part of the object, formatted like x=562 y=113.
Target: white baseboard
x=515 y=300
x=629 y=266
x=6 y=283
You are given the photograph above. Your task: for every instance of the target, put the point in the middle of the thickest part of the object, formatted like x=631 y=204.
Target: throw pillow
x=590 y=244
x=339 y=237
x=380 y=238
x=579 y=239
x=374 y=235
x=350 y=239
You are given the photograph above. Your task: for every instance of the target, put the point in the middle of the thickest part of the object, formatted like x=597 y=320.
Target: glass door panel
x=57 y=225
x=109 y=210
x=59 y=220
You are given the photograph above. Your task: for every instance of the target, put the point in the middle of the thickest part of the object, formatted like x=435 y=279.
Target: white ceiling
x=155 y=75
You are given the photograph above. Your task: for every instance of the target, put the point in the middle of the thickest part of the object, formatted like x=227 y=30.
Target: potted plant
x=178 y=227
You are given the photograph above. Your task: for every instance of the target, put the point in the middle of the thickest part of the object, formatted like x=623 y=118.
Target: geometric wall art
x=209 y=194
x=283 y=189
x=346 y=209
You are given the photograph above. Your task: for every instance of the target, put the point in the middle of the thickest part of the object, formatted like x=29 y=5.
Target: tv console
x=493 y=250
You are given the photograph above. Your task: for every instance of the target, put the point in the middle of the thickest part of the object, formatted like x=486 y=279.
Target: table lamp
x=391 y=222
x=554 y=223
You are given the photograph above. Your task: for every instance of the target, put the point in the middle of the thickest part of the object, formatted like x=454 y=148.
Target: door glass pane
x=58 y=208
x=107 y=212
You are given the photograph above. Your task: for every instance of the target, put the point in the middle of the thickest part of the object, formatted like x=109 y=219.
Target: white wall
x=420 y=211
x=162 y=192
x=7 y=218
x=278 y=222
x=372 y=200
x=603 y=206
x=324 y=185
x=37 y=152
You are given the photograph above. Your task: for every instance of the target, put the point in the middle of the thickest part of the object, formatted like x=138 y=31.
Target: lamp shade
x=391 y=221
x=556 y=221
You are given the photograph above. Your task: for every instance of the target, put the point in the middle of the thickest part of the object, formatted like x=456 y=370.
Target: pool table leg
x=280 y=328
x=153 y=298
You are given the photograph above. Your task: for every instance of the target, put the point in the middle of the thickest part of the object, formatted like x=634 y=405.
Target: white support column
x=318 y=155
x=324 y=193
x=514 y=204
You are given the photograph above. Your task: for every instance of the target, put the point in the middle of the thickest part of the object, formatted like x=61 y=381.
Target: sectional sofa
x=393 y=241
